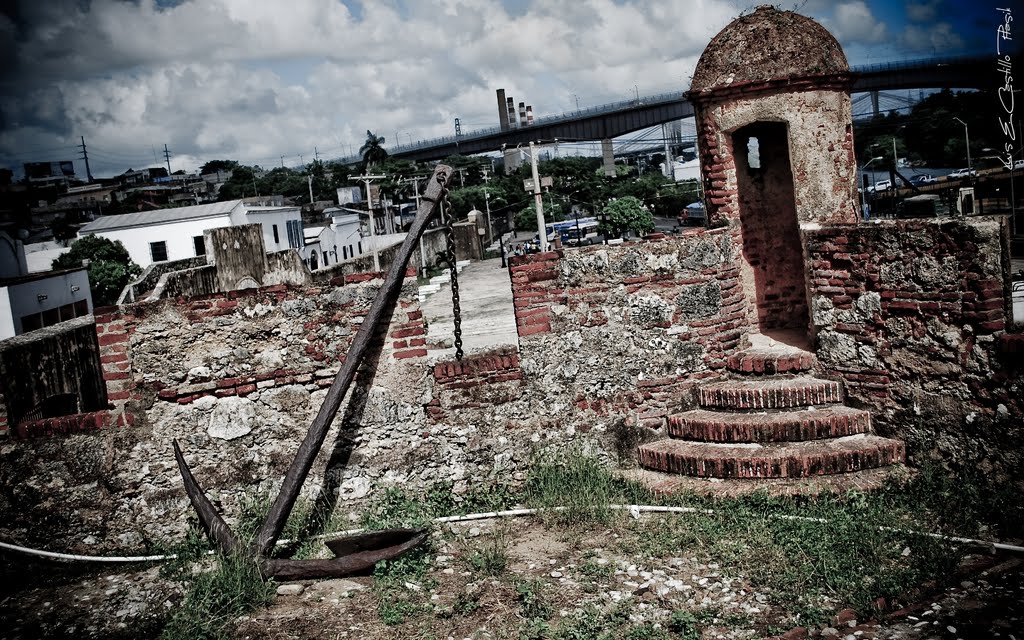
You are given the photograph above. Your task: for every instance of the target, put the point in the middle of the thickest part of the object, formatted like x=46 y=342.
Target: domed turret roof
x=768 y=44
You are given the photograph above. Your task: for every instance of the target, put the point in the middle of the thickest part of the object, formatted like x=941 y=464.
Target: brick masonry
x=792 y=460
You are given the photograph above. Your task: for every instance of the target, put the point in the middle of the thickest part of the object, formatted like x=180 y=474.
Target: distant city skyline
x=266 y=83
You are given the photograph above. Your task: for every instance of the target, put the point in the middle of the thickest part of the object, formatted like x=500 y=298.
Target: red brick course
x=790 y=460
x=782 y=426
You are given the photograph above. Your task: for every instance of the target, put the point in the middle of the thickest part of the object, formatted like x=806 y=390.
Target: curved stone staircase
x=771 y=419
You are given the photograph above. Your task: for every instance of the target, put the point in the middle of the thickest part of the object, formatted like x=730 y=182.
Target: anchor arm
x=208 y=516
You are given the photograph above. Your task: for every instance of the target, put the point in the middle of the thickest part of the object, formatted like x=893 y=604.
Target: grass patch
x=217 y=596
x=581 y=485
x=488 y=559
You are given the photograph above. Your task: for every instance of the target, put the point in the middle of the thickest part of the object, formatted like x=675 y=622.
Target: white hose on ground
x=634 y=509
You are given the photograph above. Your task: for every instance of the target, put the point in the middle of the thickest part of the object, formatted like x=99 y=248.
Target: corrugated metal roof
x=159 y=216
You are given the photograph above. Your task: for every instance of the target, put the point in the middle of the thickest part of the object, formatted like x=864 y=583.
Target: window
x=277 y=238
x=294 y=234
x=753 y=153
x=313 y=262
x=360 y=245
x=158 y=251
x=31 y=322
x=344 y=252
x=200 y=244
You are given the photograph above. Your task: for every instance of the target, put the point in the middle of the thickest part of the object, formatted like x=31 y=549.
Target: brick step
x=673 y=484
x=784 y=460
x=771 y=360
x=776 y=426
x=770 y=393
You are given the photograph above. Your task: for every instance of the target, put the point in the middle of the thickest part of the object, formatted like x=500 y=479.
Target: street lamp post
x=863 y=188
x=967 y=141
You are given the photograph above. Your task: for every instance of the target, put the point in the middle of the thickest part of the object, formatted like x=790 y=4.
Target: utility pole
x=416 y=194
x=487 y=204
x=282 y=162
x=167 y=156
x=669 y=173
x=85 y=156
x=542 y=234
x=373 y=222
x=309 y=181
x=316 y=154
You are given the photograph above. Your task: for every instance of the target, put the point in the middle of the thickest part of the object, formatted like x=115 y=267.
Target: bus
x=582 y=233
x=572 y=232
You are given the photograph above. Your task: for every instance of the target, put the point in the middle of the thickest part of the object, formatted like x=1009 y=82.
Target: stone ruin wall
x=911 y=316
x=612 y=340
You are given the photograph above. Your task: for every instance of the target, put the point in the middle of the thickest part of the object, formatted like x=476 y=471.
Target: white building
x=339 y=241
x=177 y=234
x=33 y=301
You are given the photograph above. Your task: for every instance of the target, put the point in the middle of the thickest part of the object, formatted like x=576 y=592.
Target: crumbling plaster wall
x=820 y=149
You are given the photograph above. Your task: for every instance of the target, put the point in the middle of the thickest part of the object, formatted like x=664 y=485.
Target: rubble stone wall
x=236 y=379
x=628 y=330
x=910 y=315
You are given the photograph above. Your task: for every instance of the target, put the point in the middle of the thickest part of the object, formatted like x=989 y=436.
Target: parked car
x=922 y=178
x=960 y=174
x=881 y=185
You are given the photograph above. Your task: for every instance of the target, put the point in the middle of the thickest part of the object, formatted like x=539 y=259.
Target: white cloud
x=937 y=39
x=256 y=80
x=854 y=22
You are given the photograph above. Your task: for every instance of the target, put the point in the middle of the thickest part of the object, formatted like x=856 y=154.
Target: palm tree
x=373 y=150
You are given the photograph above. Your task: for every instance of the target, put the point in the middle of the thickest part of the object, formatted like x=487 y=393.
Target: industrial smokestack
x=502 y=110
x=522 y=114
x=510 y=104
x=529 y=115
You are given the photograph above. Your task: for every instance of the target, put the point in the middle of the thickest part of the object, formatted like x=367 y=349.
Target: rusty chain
x=447 y=218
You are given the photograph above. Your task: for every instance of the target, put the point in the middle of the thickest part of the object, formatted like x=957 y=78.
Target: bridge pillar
x=513 y=159
x=609 y=157
x=874 y=102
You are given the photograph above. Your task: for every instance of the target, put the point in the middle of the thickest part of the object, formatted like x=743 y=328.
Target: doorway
x=773 y=264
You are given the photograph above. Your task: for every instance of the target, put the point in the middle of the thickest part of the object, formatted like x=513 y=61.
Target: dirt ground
x=495 y=579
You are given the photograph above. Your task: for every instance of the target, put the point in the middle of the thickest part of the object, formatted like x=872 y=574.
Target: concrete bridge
x=609 y=121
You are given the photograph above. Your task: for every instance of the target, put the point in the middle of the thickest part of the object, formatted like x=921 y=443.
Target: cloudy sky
x=254 y=80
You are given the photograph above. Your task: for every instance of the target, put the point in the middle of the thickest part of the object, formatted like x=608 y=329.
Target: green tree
x=526 y=219
x=213 y=166
x=239 y=185
x=110 y=266
x=373 y=150
x=627 y=214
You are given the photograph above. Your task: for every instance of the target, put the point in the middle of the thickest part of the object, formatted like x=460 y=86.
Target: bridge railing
x=660 y=98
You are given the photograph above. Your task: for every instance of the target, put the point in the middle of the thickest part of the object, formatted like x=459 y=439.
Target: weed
x=585 y=624
x=194 y=549
x=534 y=629
x=684 y=625
x=491 y=558
x=217 y=597
x=597 y=571
x=532 y=600
x=647 y=632
x=578 y=483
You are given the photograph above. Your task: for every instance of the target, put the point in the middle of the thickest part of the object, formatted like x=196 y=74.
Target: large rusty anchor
x=355 y=553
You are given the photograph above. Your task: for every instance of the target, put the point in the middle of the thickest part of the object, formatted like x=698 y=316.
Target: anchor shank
x=364 y=339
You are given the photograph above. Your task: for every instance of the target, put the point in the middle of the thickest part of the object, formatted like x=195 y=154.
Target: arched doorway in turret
x=773 y=264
